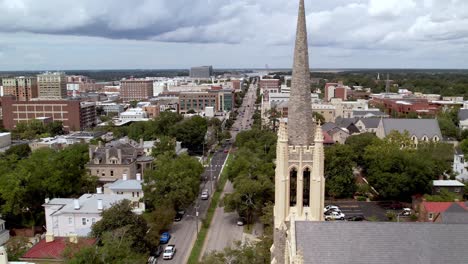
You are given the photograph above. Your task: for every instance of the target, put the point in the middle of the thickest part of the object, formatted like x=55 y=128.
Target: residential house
x=460 y=166
x=420 y=130
x=368 y=125
x=348 y=123
x=4 y=233
x=463 y=117
x=132 y=189
x=434 y=211
x=115 y=159
x=453 y=186
x=52 y=249
x=66 y=216
x=337 y=134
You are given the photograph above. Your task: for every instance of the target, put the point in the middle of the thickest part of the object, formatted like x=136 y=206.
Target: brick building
x=136 y=89
x=23 y=88
x=74 y=114
x=52 y=85
x=271 y=85
x=401 y=107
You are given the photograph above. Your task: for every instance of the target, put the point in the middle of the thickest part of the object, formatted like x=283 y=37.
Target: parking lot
x=370 y=210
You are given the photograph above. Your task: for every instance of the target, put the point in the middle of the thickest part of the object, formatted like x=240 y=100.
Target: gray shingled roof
x=381 y=242
x=370 y=122
x=125 y=185
x=328 y=126
x=417 y=127
x=463 y=114
x=345 y=122
x=455 y=214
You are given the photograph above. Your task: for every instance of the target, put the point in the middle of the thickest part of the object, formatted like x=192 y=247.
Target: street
x=224 y=229
x=184 y=232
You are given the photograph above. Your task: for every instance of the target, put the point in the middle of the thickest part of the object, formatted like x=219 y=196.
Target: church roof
x=381 y=242
x=416 y=127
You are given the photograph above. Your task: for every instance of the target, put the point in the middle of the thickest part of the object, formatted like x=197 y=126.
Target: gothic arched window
x=293 y=187
x=306 y=189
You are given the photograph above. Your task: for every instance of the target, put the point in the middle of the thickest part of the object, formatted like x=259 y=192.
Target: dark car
x=356 y=218
x=157 y=251
x=178 y=217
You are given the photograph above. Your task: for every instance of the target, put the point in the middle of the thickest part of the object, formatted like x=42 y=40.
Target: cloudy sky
x=159 y=34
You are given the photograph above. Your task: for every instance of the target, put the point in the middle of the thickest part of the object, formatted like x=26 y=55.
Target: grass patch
x=197 y=248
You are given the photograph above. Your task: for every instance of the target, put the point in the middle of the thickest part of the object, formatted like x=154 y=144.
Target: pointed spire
x=318 y=133
x=300 y=127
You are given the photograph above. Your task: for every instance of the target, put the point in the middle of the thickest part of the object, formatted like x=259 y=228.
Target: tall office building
x=23 y=88
x=52 y=85
x=202 y=72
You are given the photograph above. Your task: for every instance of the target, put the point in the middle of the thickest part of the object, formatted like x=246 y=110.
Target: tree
x=464 y=148
x=191 y=132
x=318 y=117
x=21 y=151
x=116 y=247
x=17 y=246
x=133 y=104
x=162 y=145
x=45 y=173
x=339 y=164
x=120 y=217
x=254 y=253
x=358 y=144
x=176 y=180
x=160 y=219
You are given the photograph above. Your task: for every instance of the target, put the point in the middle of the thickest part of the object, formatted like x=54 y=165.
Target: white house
x=463 y=117
x=134 y=114
x=460 y=166
x=66 y=216
x=4 y=233
x=132 y=189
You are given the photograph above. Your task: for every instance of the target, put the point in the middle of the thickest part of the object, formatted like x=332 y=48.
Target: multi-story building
x=399 y=107
x=202 y=72
x=52 y=85
x=268 y=86
x=197 y=101
x=74 y=115
x=23 y=88
x=118 y=159
x=65 y=216
x=336 y=90
x=136 y=89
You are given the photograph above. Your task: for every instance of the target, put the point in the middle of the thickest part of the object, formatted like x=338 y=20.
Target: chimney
x=99 y=190
x=138 y=176
x=90 y=153
x=46 y=200
x=76 y=204
x=100 y=143
x=141 y=142
x=49 y=237
x=124 y=176
x=119 y=155
x=99 y=204
x=73 y=238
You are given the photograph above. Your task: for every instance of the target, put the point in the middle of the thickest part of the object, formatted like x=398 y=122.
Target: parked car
x=241 y=221
x=178 y=217
x=164 y=238
x=169 y=252
x=406 y=212
x=356 y=218
x=205 y=195
x=157 y=251
x=226 y=151
x=331 y=208
x=334 y=215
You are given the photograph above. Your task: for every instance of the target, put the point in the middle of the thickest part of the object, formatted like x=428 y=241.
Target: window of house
x=138 y=194
x=431 y=216
x=133 y=194
x=93 y=220
x=112 y=173
x=83 y=221
x=438 y=189
x=70 y=220
x=457 y=190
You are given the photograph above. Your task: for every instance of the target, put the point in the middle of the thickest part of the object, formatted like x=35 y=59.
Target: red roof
x=440 y=207
x=54 y=249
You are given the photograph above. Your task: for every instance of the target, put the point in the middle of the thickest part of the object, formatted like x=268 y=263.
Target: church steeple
x=300 y=124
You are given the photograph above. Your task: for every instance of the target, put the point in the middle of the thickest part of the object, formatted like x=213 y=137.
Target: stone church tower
x=299 y=177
